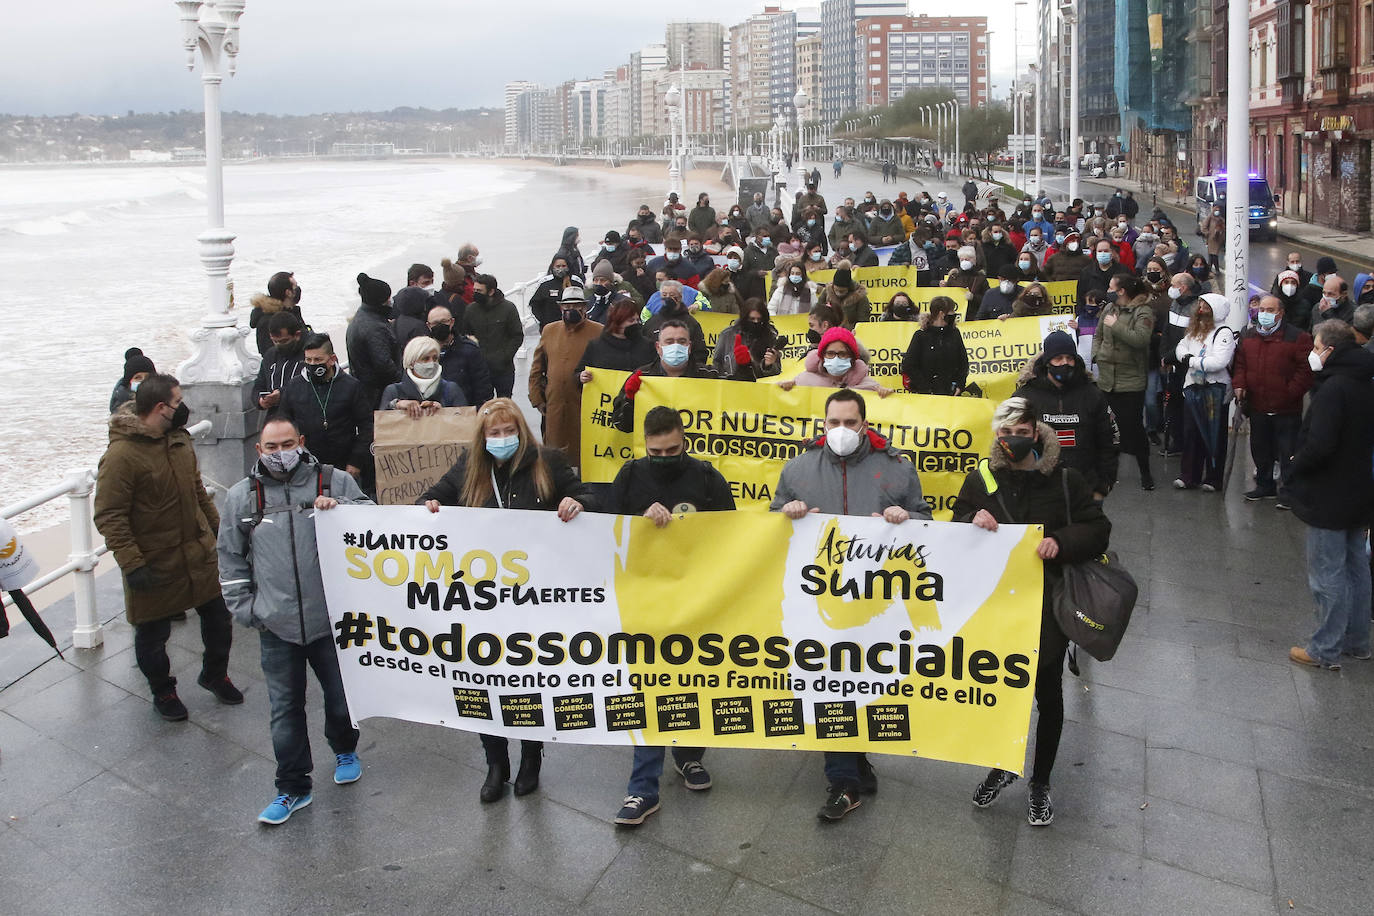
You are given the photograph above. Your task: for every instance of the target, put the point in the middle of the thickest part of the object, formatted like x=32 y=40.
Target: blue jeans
x=842 y=769
x=1338 y=574
x=648 y=767
x=283 y=665
x=1154 y=407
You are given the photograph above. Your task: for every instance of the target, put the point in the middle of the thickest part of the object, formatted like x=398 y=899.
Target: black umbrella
x=30 y=613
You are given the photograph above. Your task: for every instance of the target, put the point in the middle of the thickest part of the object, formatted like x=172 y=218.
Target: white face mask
x=1174 y=292
x=966 y=265
x=285 y=461
x=842 y=441
x=1289 y=288
x=837 y=366
x=425 y=370
x=1313 y=360
x=1073 y=246
x=1006 y=286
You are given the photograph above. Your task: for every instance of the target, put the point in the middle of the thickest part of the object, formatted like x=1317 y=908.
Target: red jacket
x=1273 y=370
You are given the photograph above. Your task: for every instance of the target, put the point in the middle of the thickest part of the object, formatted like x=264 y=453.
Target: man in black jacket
x=331 y=409
x=1331 y=490
x=282 y=362
x=1062 y=394
x=666 y=483
x=373 y=354
x=460 y=360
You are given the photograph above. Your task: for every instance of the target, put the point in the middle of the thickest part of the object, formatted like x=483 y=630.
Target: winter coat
x=568 y=251
x=1272 y=369
x=1344 y=310
x=554 y=388
x=448 y=394
x=270 y=572
x=374 y=358
x=1214 y=232
x=758 y=215
x=1180 y=313
x=872 y=478
x=853 y=307
x=701 y=218
x=864 y=257
x=758 y=261
x=996 y=303
x=1036 y=497
x=152 y=509
x=1329 y=483
x=121 y=394
x=1081 y=419
x=461 y=361
x=544 y=303
x=515 y=486
x=623 y=354
x=975 y=281
x=880 y=228
x=700 y=264
x=813 y=375
x=276 y=370
x=696 y=487
x=1122 y=351
x=680 y=270
x=787 y=298
x=648 y=229
x=1213 y=366
x=840 y=229
x=1095 y=279
x=998 y=254
x=936 y=361
x=623 y=407
x=498 y=330
x=1065 y=265
x=726 y=301
x=619 y=256
x=914 y=255
x=264 y=307
x=340 y=431
x=724 y=361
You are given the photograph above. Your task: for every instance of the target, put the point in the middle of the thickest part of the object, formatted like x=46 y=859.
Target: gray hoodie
x=270 y=575
x=865 y=482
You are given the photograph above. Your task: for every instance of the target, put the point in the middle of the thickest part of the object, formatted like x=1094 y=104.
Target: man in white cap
x=943 y=208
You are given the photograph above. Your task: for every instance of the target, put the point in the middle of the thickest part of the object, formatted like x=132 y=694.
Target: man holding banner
x=850 y=470
x=666 y=483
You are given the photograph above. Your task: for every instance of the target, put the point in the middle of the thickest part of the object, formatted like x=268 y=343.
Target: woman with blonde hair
x=506 y=468
x=422 y=390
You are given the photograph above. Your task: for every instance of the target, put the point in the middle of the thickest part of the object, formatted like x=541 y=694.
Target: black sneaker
x=992 y=786
x=1039 y=808
x=1257 y=494
x=868 y=777
x=838 y=803
x=694 y=775
x=1072 y=656
x=170 y=707
x=636 y=810
x=223 y=688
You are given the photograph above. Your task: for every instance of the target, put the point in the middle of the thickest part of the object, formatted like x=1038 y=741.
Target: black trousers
x=1273 y=440
x=497 y=749
x=503 y=381
x=216 y=634
x=1049 y=697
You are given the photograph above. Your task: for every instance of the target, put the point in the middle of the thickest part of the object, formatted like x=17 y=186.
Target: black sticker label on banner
x=782 y=717
x=888 y=723
x=837 y=720
x=472 y=704
x=625 y=712
x=733 y=715
x=522 y=710
x=678 y=712
x=571 y=713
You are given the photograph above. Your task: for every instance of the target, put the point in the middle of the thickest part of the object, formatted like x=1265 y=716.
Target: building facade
x=702 y=42
x=1099 y=114
x=750 y=69
x=839 y=69
x=513 y=91
x=899 y=53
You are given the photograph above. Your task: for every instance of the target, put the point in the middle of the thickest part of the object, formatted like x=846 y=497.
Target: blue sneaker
x=282 y=807
x=636 y=810
x=348 y=769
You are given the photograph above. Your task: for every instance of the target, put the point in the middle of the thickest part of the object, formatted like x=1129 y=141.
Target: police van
x=1264 y=214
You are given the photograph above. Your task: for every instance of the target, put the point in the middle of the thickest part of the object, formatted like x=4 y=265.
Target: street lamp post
x=672 y=98
x=219 y=354
x=799 y=102
x=1238 y=161
x=1069 y=11
x=1035 y=68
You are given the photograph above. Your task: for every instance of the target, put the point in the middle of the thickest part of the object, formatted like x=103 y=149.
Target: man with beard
x=667 y=482
x=282 y=362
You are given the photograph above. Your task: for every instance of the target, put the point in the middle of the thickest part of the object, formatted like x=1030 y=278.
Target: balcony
x=1335 y=84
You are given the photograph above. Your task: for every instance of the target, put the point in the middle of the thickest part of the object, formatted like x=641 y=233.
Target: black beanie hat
x=374 y=293
x=1059 y=343
x=135 y=362
x=1326 y=265
x=843 y=278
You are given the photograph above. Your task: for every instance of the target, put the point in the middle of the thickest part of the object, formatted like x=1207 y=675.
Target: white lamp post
x=799 y=102
x=1069 y=11
x=673 y=98
x=1238 y=160
x=1035 y=68
x=219 y=353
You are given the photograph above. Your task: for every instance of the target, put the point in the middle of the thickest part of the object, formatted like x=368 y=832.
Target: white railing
x=79 y=488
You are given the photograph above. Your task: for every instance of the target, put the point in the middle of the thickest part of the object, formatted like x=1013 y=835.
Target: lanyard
x=324 y=405
x=500 y=503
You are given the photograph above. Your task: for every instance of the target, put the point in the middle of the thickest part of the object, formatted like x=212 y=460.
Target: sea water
x=94 y=260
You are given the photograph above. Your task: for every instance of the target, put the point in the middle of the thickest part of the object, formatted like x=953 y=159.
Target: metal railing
x=79 y=488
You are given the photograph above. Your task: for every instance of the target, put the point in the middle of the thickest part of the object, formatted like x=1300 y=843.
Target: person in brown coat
x=160 y=524
x=554 y=389
x=1213 y=230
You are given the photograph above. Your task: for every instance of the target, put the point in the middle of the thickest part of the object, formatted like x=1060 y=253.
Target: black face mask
x=180 y=415
x=298 y=295
x=671 y=305
x=480 y=298
x=1016 y=448
x=560 y=272
x=441 y=332
x=1153 y=276
x=1366 y=297
x=318 y=373
x=903 y=312
x=633 y=331
x=668 y=465
x=573 y=317
x=291 y=347
x=813 y=337
x=1062 y=374
x=1199 y=272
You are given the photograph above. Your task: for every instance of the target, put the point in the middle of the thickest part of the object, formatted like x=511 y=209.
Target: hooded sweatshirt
x=1078 y=414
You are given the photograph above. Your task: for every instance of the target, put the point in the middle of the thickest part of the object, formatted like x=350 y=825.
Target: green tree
x=982 y=132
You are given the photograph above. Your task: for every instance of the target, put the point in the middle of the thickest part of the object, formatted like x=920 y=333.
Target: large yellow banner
x=748 y=431
x=603 y=446
x=724 y=629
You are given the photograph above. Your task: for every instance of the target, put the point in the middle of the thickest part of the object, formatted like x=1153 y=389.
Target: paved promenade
x=1200 y=772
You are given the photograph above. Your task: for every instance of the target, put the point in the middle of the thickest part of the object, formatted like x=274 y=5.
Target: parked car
x=1263 y=210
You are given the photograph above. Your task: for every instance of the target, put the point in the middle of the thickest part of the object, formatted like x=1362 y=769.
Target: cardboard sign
x=412 y=454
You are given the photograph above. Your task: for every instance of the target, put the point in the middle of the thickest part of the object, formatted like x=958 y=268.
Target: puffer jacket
x=498 y=330
x=936 y=361
x=853 y=307
x=270 y=572
x=1082 y=422
x=264 y=307
x=872 y=478
x=1272 y=369
x=1328 y=483
x=813 y=375
x=374 y=356
x=1122 y=351
x=1208 y=360
x=152 y=509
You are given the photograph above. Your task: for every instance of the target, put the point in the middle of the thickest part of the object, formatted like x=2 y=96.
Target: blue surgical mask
x=1267 y=319
x=502 y=447
x=796 y=278
x=675 y=355
x=1104 y=258
x=838 y=365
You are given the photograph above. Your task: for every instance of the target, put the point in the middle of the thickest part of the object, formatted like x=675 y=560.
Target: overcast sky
x=299 y=57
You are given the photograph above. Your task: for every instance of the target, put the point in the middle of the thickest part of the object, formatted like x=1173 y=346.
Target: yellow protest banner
x=748 y=431
x=881 y=282
x=1063 y=296
x=723 y=629
x=604 y=448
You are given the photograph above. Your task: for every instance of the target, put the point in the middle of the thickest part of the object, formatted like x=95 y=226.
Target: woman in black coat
x=506 y=468
x=1022 y=483
x=936 y=361
x=621 y=345
x=544 y=301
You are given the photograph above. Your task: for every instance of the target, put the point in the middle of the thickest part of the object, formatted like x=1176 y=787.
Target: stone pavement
x=1200 y=772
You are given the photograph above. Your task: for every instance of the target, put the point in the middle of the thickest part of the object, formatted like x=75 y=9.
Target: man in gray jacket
x=270 y=577
x=851 y=470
